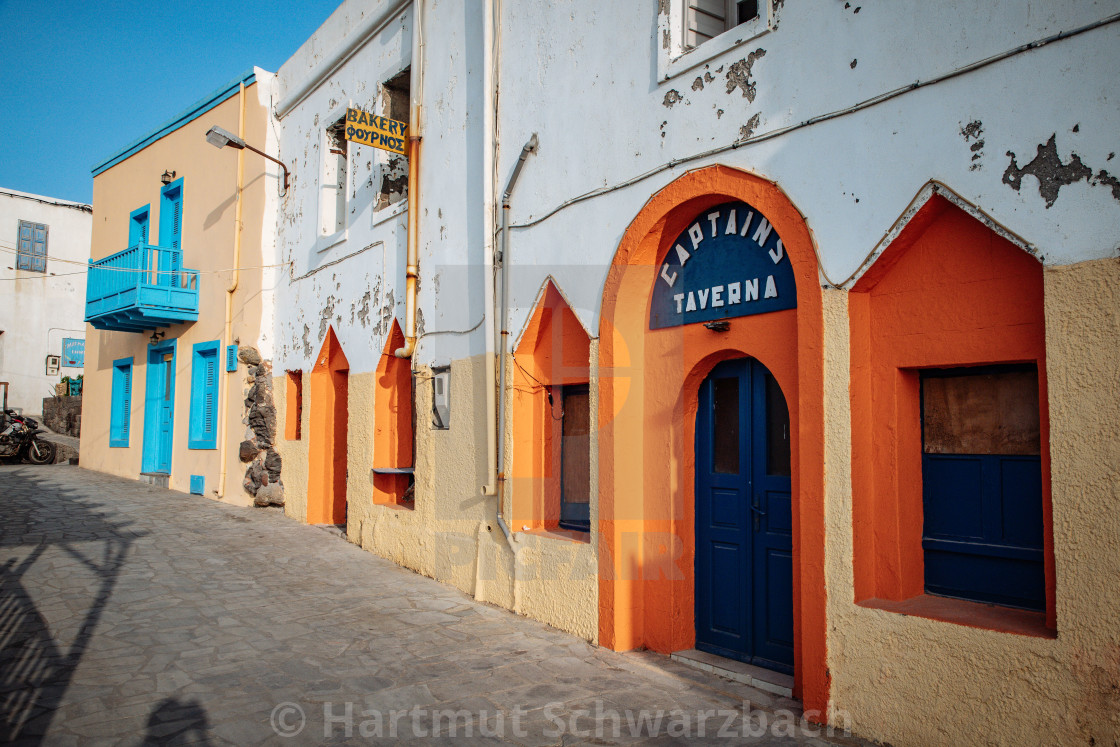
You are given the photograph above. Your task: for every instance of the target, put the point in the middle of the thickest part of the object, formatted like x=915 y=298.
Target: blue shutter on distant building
x=31 y=247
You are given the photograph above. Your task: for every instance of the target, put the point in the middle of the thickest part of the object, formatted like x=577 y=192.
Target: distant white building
x=44 y=246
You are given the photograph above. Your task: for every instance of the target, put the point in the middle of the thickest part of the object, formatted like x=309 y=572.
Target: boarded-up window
x=984 y=413
x=982 y=532
x=575 y=459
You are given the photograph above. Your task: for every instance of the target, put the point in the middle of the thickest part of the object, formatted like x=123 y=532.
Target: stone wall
x=63 y=415
x=257 y=450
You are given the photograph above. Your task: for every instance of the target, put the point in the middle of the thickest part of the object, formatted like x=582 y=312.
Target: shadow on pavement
x=36 y=668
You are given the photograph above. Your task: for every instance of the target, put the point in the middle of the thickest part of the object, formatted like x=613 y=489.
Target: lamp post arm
x=274 y=160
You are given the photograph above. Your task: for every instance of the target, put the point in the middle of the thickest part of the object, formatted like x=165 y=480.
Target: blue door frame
x=744 y=525
x=159 y=408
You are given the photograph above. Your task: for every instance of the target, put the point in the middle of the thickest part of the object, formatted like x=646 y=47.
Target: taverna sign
x=729 y=262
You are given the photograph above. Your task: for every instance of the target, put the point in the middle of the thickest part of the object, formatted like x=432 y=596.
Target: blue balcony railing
x=141 y=288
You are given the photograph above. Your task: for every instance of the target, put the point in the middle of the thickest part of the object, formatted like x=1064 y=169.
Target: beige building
x=169 y=316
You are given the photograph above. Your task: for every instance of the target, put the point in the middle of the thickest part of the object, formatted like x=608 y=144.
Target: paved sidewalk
x=135 y=615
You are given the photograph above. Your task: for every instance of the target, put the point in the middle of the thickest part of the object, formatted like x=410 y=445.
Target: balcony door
x=159 y=409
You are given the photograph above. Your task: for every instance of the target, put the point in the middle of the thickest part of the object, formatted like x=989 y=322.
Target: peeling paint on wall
x=1048 y=169
x=672 y=96
x=363 y=310
x=325 y=316
x=971 y=133
x=307 y=350
x=748 y=129
x=698 y=84
x=739 y=75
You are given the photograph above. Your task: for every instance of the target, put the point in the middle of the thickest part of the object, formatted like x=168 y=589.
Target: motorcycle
x=20 y=439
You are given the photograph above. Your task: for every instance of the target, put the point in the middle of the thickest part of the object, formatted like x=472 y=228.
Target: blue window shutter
x=138 y=226
x=171 y=215
x=231 y=358
x=120 y=412
x=204 y=396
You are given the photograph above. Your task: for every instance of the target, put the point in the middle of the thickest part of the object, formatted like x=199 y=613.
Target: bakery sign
x=728 y=262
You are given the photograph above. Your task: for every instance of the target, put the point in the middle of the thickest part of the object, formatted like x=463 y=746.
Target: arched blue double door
x=744 y=526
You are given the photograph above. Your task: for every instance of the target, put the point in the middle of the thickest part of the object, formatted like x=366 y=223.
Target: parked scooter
x=20 y=439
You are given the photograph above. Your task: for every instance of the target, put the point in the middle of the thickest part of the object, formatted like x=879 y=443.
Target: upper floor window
x=138 y=223
x=395 y=104
x=707 y=19
x=692 y=32
x=32 y=247
x=332 y=181
x=170 y=216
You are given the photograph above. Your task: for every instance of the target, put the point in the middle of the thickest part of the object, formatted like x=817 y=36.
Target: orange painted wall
x=554 y=350
x=392 y=421
x=947 y=292
x=648 y=386
x=326 y=482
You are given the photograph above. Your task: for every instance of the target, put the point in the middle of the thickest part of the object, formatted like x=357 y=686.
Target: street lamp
x=220 y=138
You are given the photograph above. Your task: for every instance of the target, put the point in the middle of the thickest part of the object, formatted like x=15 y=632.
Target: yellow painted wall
x=209 y=200
x=293 y=453
x=910 y=680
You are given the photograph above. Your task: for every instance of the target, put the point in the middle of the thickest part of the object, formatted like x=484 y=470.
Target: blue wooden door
x=159 y=413
x=744 y=539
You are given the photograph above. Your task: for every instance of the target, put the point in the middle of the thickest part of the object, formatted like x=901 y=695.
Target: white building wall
x=588 y=77
x=37 y=310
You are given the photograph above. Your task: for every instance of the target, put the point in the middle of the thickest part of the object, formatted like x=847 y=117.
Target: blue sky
x=81 y=80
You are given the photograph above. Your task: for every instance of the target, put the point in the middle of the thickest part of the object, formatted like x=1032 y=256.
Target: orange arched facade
x=648 y=386
x=326 y=483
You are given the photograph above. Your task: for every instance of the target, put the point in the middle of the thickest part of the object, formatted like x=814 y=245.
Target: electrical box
x=53 y=363
x=441 y=398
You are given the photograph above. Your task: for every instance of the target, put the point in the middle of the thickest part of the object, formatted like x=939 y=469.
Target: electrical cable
x=865 y=104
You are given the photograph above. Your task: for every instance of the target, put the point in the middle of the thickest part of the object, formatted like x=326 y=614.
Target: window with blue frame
x=204 y=396
x=982 y=535
x=138 y=223
x=31 y=247
x=120 y=410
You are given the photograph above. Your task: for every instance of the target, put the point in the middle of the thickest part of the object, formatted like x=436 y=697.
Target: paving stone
x=157 y=617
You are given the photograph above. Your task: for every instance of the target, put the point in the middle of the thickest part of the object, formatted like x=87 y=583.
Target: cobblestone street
x=131 y=614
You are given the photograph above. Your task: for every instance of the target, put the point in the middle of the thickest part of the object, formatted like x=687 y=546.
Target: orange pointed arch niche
x=648 y=386
x=392 y=424
x=554 y=352
x=326 y=481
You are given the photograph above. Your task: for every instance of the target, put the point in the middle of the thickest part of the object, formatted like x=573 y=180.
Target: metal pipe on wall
x=416 y=93
x=234 y=283
x=507 y=196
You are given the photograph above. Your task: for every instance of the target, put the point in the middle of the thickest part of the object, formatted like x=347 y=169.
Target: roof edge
x=85 y=207
x=192 y=112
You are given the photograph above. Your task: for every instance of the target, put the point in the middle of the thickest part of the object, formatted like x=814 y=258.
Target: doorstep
x=159 y=479
x=748 y=674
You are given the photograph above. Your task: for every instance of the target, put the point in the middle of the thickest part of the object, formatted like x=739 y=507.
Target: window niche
x=551 y=411
x=950 y=457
